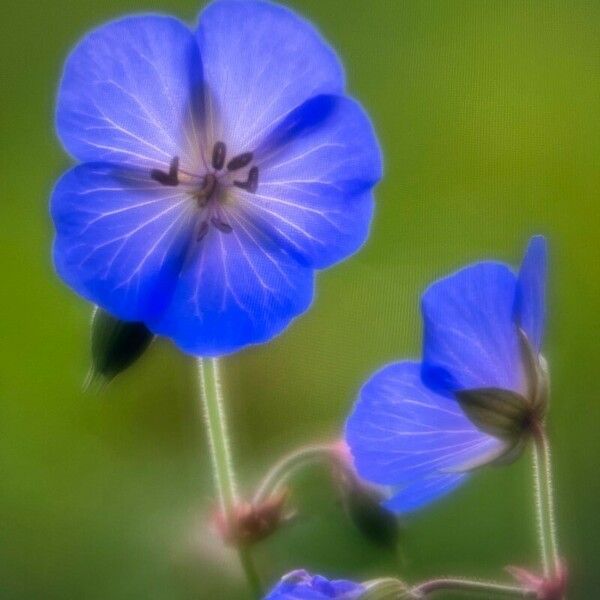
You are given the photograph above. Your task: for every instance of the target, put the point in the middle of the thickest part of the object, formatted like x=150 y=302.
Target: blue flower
x=300 y=585
x=219 y=169
x=421 y=427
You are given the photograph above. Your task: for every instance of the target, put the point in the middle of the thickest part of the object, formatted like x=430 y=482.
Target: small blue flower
x=483 y=333
x=300 y=585
x=219 y=169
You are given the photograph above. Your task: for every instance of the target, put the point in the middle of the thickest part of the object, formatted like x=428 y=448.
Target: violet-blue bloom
x=300 y=585
x=219 y=169
x=407 y=431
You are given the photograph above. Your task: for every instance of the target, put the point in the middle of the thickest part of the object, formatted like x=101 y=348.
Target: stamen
x=221 y=225
x=251 y=184
x=171 y=178
x=239 y=161
x=202 y=231
x=218 y=156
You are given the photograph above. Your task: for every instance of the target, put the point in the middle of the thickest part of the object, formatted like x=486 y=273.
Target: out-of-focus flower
x=476 y=398
x=300 y=585
x=220 y=168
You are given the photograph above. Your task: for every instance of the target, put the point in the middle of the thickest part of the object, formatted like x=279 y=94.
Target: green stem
x=286 y=467
x=540 y=503
x=216 y=425
x=543 y=450
x=542 y=463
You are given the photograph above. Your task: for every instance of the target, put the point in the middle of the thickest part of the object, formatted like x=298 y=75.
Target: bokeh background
x=488 y=112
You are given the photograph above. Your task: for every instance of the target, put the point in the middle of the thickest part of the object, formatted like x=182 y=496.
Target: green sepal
x=537 y=379
x=115 y=346
x=386 y=589
x=511 y=453
x=502 y=413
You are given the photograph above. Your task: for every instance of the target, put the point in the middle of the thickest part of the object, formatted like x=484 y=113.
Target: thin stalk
x=423 y=590
x=284 y=469
x=222 y=466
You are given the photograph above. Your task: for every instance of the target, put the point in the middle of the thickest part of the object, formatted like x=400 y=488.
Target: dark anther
x=221 y=226
x=239 y=161
x=204 y=194
x=218 y=157
x=251 y=184
x=202 y=231
x=170 y=178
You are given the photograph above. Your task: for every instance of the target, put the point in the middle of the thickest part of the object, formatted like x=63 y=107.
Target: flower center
x=207 y=189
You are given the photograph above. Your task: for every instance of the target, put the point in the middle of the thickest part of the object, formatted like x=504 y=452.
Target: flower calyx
x=510 y=416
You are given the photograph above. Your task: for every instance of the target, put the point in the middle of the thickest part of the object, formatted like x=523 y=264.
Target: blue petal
x=261 y=61
x=316 y=178
x=400 y=430
x=530 y=301
x=239 y=288
x=424 y=491
x=301 y=585
x=470 y=336
x=131 y=93
x=120 y=238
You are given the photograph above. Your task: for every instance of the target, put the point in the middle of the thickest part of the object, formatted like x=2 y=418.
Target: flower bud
x=116 y=345
x=542 y=588
x=253 y=522
x=363 y=503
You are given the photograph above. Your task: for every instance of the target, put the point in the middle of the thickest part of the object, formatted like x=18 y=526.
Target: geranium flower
x=476 y=398
x=219 y=169
x=300 y=585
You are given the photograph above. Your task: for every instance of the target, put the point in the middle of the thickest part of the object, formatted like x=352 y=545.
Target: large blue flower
x=219 y=169
x=421 y=427
x=300 y=585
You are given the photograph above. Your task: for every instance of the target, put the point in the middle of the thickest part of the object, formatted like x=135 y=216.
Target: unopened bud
x=363 y=503
x=253 y=522
x=116 y=345
x=553 y=587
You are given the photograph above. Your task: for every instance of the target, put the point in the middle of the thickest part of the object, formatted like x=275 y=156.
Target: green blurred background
x=488 y=112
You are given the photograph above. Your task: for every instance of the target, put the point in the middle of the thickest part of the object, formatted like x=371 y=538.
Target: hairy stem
x=423 y=590
x=224 y=476
x=540 y=512
x=545 y=462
